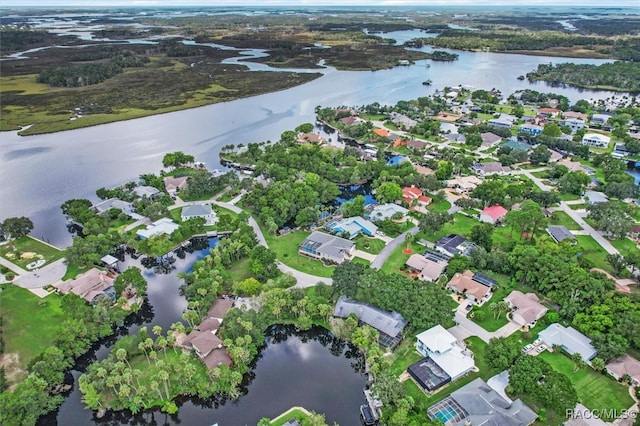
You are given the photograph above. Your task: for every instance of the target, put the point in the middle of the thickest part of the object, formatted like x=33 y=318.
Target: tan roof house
x=463 y=283
x=626 y=365
x=429 y=270
x=305 y=138
x=173 y=184
x=89 y=286
x=526 y=309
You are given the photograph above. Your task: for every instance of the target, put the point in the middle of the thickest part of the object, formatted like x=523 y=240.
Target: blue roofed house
x=203 y=211
x=352 y=226
x=532 y=129
x=569 y=339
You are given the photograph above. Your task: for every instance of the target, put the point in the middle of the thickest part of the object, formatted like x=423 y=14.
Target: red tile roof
x=496 y=212
x=381 y=132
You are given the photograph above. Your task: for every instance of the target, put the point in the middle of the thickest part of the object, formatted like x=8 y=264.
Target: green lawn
x=577 y=206
x=369 y=245
x=362 y=261
x=561 y=218
x=29 y=324
x=25 y=250
x=240 y=270
x=373 y=117
x=461 y=225
x=439 y=206
x=592 y=251
x=490 y=322
x=624 y=246
x=541 y=175
x=595 y=390
x=296 y=414
x=286 y=249
x=568 y=197
x=397 y=259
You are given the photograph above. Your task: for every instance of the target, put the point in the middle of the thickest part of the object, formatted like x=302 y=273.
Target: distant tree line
x=619 y=76
x=89 y=74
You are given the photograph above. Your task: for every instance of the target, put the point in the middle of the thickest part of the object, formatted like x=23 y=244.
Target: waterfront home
x=526 y=309
x=203 y=211
x=390 y=325
x=569 y=339
x=162 y=226
x=90 y=286
x=351 y=120
x=596 y=140
x=352 y=226
x=383 y=133
x=600 y=119
x=305 y=138
x=573 y=114
x=477 y=403
x=465 y=284
x=402 y=121
x=173 y=185
x=114 y=203
x=326 y=246
x=146 y=191
x=442 y=348
x=387 y=211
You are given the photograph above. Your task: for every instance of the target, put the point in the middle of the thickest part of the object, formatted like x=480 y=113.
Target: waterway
x=294 y=368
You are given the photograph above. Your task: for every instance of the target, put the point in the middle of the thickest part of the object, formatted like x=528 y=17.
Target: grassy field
x=592 y=251
x=29 y=324
x=490 y=322
x=286 y=249
x=624 y=246
x=563 y=219
x=397 y=259
x=595 y=390
x=240 y=270
x=577 y=206
x=439 y=206
x=569 y=197
x=362 y=261
x=27 y=249
x=369 y=245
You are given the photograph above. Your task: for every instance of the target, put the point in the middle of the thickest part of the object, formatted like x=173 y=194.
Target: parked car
x=468 y=307
x=537 y=342
x=541 y=348
x=527 y=348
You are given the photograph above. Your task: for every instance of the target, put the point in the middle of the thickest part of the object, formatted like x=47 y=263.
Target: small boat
x=426 y=83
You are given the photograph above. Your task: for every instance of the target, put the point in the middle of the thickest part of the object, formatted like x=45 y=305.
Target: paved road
x=389 y=248
x=604 y=243
x=42 y=277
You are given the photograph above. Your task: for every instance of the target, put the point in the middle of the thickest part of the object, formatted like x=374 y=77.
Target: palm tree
x=121 y=355
x=493 y=307
x=154 y=385
x=162 y=344
x=143 y=348
x=164 y=376
x=157 y=330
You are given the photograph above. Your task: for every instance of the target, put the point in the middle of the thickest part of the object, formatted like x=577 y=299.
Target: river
x=312 y=369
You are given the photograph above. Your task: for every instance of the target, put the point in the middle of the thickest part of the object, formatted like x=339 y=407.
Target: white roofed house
x=387 y=211
x=596 y=140
x=113 y=203
x=146 y=191
x=203 y=211
x=162 y=226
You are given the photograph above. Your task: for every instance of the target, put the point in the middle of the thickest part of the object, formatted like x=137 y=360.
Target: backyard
x=595 y=390
x=369 y=245
x=29 y=324
x=397 y=259
x=563 y=219
x=25 y=250
x=593 y=252
x=286 y=249
x=490 y=320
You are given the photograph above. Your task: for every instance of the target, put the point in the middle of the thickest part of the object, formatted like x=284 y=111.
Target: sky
x=156 y=3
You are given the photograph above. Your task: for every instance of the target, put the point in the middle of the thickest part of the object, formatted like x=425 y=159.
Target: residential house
x=387 y=211
x=429 y=266
x=555 y=156
x=114 y=203
x=500 y=123
x=625 y=366
x=203 y=211
x=573 y=114
x=402 y=120
x=445 y=361
x=574 y=123
x=549 y=112
x=173 y=185
x=491 y=168
x=477 y=403
x=455 y=137
x=560 y=233
x=595 y=197
x=422 y=170
x=453 y=244
x=162 y=226
x=325 y=246
x=620 y=151
x=383 y=133
x=416 y=144
x=493 y=214
x=146 y=191
x=489 y=140
x=573 y=166
x=600 y=119
x=531 y=129
x=464 y=184
x=596 y=140
x=203 y=338
x=464 y=284
x=526 y=309
x=351 y=120
x=569 y=339
x=390 y=325
x=91 y=286
x=415 y=199
x=306 y=138
x=352 y=226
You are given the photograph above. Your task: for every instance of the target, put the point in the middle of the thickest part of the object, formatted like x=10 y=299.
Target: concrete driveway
x=42 y=277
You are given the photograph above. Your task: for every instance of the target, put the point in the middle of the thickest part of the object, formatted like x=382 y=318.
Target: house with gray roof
x=146 y=191
x=560 y=233
x=526 y=309
x=478 y=404
x=489 y=140
x=203 y=211
x=320 y=245
x=389 y=324
x=595 y=197
x=453 y=244
x=113 y=203
x=569 y=339
x=387 y=211
x=491 y=168
x=501 y=123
